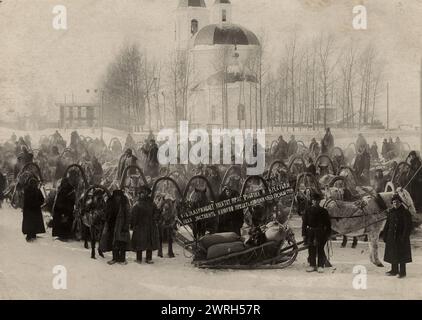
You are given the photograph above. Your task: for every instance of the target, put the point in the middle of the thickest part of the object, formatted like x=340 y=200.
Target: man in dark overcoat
x=397 y=238
x=316 y=229
x=116 y=235
x=63 y=208
x=145 y=217
x=327 y=143
x=32 y=223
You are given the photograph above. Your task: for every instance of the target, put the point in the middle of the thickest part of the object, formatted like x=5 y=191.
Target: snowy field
x=26 y=272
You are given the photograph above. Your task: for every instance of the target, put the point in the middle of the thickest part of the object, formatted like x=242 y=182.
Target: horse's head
x=198 y=198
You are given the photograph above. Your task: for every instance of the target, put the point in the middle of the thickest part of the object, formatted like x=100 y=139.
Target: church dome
x=214 y=34
x=192 y=3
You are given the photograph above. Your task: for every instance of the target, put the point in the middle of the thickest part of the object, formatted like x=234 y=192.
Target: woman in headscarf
x=32 y=223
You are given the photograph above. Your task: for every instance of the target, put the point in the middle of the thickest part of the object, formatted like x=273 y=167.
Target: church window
x=213 y=113
x=224 y=15
x=194 y=26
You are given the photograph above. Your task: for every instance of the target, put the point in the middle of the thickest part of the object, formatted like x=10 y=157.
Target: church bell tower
x=191 y=16
x=222 y=12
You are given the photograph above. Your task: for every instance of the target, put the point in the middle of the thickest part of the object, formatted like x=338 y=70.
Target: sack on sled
x=223 y=249
x=217 y=238
x=275 y=232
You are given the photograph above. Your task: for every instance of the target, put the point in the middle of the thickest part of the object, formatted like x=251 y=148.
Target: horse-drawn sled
x=267 y=242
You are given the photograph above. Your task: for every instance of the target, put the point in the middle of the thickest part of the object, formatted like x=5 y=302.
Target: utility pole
x=102 y=115
x=388 y=106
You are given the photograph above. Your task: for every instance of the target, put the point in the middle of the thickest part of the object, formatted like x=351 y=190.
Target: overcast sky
x=39 y=63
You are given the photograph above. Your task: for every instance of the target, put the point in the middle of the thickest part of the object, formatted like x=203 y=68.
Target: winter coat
x=327 y=143
x=374 y=152
x=316 y=225
x=232 y=221
x=397 y=236
x=292 y=147
x=32 y=222
x=63 y=210
x=282 y=149
x=379 y=184
x=385 y=150
x=116 y=227
x=145 y=217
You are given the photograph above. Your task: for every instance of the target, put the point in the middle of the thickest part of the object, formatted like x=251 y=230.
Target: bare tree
x=123 y=87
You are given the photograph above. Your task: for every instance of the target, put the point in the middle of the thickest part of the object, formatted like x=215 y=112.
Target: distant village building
x=74 y=115
x=223 y=66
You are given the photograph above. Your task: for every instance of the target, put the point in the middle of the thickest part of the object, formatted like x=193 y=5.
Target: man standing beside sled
x=316 y=228
x=397 y=238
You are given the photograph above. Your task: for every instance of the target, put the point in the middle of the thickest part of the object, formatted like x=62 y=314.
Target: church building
x=224 y=67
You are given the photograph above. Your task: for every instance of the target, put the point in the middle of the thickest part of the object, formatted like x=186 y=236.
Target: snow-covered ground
x=26 y=272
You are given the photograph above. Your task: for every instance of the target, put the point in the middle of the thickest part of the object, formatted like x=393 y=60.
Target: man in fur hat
x=397 y=238
x=316 y=229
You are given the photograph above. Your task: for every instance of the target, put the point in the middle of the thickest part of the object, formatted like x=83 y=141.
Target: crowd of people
x=143 y=217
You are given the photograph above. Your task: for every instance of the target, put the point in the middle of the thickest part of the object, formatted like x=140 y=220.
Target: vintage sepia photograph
x=210 y=150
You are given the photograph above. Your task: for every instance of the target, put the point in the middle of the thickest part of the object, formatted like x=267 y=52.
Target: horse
x=364 y=217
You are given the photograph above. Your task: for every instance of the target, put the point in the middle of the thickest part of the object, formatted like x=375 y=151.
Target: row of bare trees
x=322 y=81
x=314 y=83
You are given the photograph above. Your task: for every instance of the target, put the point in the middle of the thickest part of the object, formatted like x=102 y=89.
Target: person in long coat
x=292 y=146
x=397 y=238
x=374 y=151
x=327 y=143
x=385 y=149
x=233 y=221
x=145 y=217
x=282 y=149
x=116 y=235
x=63 y=210
x=32 y=223
x=316 y=229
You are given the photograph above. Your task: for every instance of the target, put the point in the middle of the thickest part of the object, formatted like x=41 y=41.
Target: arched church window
x=224 y=15
x=194 y=26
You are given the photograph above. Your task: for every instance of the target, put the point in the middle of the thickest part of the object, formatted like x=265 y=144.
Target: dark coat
x=63 y=210
x=282 y=150
x=379 y=184
x=116 y=227
x=385 y=150
x=232 y=221
x=145 y=217
x=311 y=169
x=397 y=236
x=327 y=143
x=292 y=147
x=316 y=225
x=32 y=222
